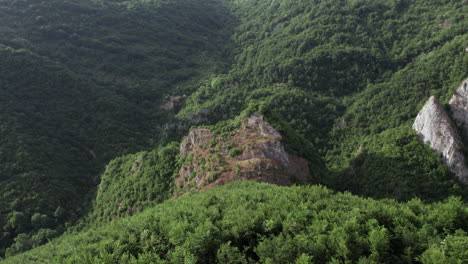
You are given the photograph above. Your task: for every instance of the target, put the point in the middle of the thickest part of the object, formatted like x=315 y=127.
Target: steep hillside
x=351 y=77
x=85 y=82
x=133 y=182
x=333 y=47
x=247 y=222
x=247 y=147
x=82 y=82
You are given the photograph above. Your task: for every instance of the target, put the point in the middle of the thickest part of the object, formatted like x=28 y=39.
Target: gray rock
x=196 y=137
x=256 y=122
x=275 y=150
x=435 y=127
x=170 y=104
x=459 y=107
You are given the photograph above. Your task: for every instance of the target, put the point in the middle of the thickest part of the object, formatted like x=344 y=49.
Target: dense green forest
x=82 y=83
x=350 y=76
x=247 y=222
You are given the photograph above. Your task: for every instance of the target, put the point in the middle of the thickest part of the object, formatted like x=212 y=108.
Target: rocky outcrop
x=435 y=127
x=256 y=122
x=171 y=103
x=251 y=151
x=459 y=107
x=195 y=138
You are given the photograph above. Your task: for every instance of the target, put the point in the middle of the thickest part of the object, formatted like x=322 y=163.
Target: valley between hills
x=233 y=131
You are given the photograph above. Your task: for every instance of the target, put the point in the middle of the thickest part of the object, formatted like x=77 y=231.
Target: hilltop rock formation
x=435 y=127
x=459 y=107
x=251 y=151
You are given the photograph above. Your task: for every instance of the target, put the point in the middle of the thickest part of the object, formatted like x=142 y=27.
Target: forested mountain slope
x=350 y=76
x=83 y=82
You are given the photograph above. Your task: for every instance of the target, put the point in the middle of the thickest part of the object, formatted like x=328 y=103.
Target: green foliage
x=334 y=48
x=229 y=254
x=383 y=157
x=24 y=242
x=345 y=75
x=451 y=250
x=395 y=163
x=82 y=82
x=40 y=220
x=235 y=152
x=294 y=142
x=247 y=222
x=134 y=182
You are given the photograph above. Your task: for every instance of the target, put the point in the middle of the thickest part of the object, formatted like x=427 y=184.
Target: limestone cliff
x=459 y=107
x=435 y=127
x=251 y=151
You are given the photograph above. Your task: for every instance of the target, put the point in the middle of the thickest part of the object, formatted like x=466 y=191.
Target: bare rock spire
x=435 y=127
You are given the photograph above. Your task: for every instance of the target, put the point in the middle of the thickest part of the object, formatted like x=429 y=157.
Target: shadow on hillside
x=374 y=175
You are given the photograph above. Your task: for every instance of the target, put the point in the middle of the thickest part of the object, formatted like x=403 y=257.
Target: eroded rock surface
x=256 y=122
x=252 y=151
x=459 y=107
x=195 y=138
x=435 y=127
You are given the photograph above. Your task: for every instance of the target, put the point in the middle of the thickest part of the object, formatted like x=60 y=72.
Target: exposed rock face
x=459 y=107
x=252 y=151
x=137 y=165
x=195 y=138
x=435 y=127
x=256 y=122
x=170 y=104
